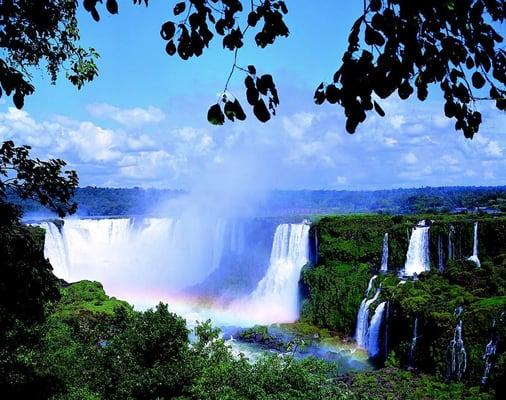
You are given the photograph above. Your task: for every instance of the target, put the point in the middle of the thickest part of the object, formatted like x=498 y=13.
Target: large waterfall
x=417 y=259
x=146 y=260
x=384 y=254
x=474 y=258
x=277 y=294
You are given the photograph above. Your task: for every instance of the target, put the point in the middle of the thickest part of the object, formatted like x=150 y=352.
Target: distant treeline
x=94 y=201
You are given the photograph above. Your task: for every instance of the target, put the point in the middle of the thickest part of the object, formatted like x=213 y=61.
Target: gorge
x=270 y=272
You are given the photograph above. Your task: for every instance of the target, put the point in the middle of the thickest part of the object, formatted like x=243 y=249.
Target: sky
x=142 y=121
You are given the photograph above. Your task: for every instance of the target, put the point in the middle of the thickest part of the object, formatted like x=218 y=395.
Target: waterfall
x=411 y=360
x=55 y=250
x=369 y=285
x=384 y=255
x=489 y=358
x=451 y=231
x=361 y=331
x=278 y=291
x=417 y=258
x=440 y=261
x=474 y=257
x=458 y=356
x=373 y=338
x=127 y=254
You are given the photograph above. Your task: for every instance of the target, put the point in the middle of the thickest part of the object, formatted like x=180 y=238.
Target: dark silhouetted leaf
x=378 y=109
x=112 y=6
x=179 y=8
x=215 y=116
x=261 y=112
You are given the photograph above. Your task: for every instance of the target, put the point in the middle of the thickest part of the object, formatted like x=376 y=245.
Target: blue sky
x=142 y=122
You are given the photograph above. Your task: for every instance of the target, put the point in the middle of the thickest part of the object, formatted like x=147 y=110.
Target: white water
x=374 y=329
x=458 y=355
x=417 y=258
x=450 y=243
x=55 y=249
x=412 y=348
x=277 y=294
x=384 y=255
x=474 y=258
x=127 y=254
x=148 y=260
x=488 y=357
x=362 y=329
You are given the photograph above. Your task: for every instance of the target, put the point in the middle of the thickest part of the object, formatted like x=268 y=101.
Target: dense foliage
x=94 y=201
x=41 y=33
x=456 y=291
x=27 y=283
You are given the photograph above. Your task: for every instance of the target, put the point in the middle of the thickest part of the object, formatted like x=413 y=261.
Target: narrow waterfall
x=489 y=356
x=373 y=345
x=489 y=359
x=457 y=354
x=474 y=257
x=440 y=256
x=278 y=291
x=412 y=349
x=384 y=255
x=451 y=232
x=361 y=331
x=417 y=258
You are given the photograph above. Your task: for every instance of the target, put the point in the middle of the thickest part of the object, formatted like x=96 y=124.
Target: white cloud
x=493 y=149
x=298 y=123
x=410 y=158
x=129 y=117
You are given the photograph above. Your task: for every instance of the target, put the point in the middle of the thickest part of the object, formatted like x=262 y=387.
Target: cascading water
x=373 y=347
x=55 y=249
x=148 y=260
x=474 y=258
x=417 y=258
x=451 y=232
x=277 y=294
x=440 y=256
x=489 y=358
x=457 y=362
x=384 y=255
x=412 y=349
x=130 y=255
x=362 y=329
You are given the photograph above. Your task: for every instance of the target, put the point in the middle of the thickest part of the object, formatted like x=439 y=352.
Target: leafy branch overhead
x=395 y=46
x=411 y=45
x=42 y=181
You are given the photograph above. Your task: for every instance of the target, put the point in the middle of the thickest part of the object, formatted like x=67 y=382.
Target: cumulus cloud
x=129 y=117
x=413 y=145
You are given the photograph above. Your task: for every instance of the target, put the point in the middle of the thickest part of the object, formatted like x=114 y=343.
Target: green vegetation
x=95 y=201
x=350 y=252
x=87 y=296
x=397 y=384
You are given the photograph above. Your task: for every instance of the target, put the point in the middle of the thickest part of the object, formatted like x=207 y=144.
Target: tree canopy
x=395 y=46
